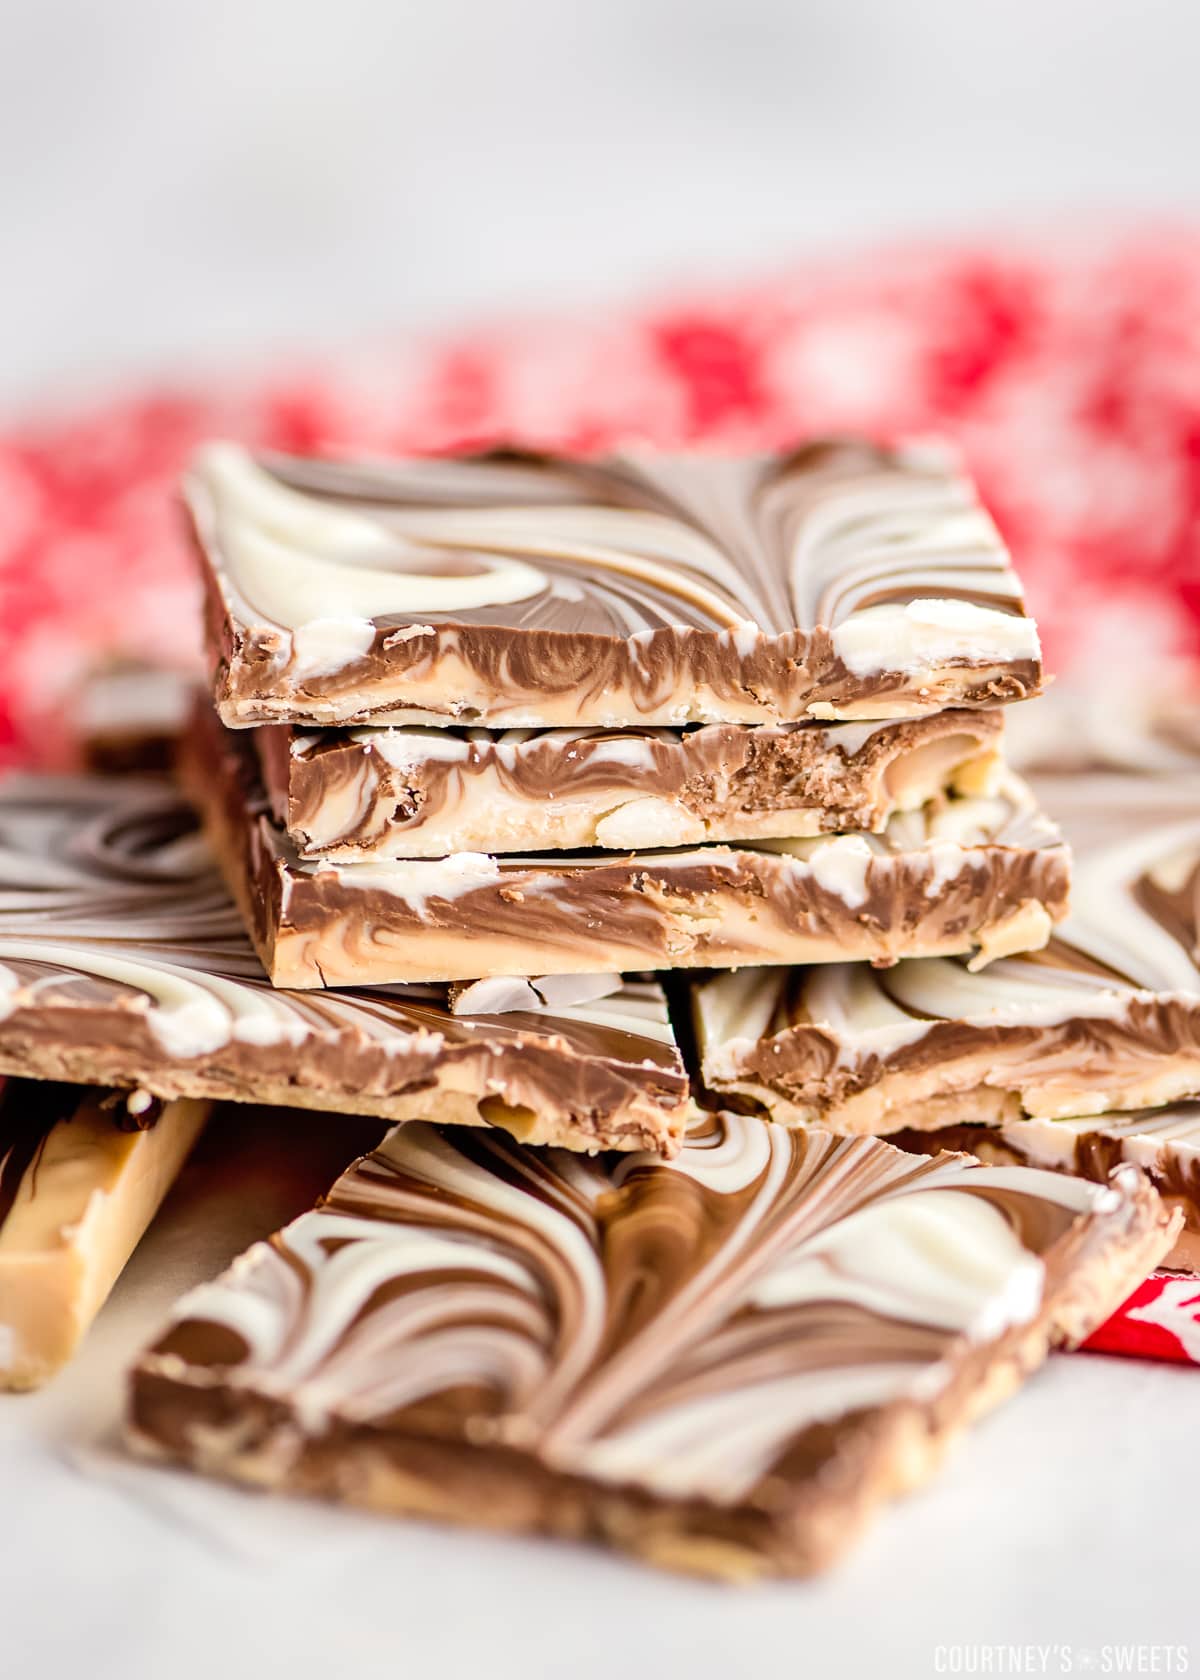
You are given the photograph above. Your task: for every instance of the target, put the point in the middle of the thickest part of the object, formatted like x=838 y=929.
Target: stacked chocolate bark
x=492 y=748
x=517 y=720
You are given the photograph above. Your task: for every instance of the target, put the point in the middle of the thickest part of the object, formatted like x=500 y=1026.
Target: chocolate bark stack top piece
x=836 y=581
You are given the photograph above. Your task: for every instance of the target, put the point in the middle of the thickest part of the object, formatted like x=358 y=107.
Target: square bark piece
x=837 y=580
x=720 y=1364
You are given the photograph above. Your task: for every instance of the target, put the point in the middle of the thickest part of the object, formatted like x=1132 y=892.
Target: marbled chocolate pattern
x=679 y=1330
x=1106 y=1016
x=839 y=579
x=375 y=793
x=1163 y=1142
x=123 y=960
x=987 y=871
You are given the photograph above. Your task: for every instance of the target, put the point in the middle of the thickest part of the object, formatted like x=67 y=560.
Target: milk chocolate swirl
x=587 y=1345
x=359 y=794
x=984 y=871
x=1107 y=1016
x=124 y=962
x=1163 y=1142
x=518 y=589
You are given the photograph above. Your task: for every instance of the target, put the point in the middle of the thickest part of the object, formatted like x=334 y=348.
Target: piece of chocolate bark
x=719 y=1365
x=126 y=717
x=509 y=589
x=971 y=873
x=1163 y=1142
x=82 y=1173
x=378 y=793
x=123 y=962
x=1107 y=1016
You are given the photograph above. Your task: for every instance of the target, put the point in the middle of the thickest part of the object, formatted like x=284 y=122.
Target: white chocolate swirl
x=112 y=910
x=674 y=1328
x=731 y=543
x=837 y=579
x=1107 y=1015
x=300 y=561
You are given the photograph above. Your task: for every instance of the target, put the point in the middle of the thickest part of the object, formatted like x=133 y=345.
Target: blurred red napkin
x=1069 y=377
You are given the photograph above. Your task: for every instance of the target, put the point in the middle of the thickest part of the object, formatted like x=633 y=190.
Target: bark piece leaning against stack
x=82 y=1173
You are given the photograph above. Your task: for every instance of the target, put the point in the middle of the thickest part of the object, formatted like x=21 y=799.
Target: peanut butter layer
x=1106 y=1016
x=378 y=793
x=82 y=1174
x=720 y=1365
x=515 y=590
x=1163 y=1142
x=986 y=873
x=123 y=962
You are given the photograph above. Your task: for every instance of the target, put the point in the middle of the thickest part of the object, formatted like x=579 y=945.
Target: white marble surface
x=1062 y=1520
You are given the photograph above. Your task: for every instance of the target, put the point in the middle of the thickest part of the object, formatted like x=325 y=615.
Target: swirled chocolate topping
x=837 y=580
x=1163 y=1142
x=377 y=793
x=1106 y=1016
x=719 y=1364
x=123 y=961
x=985 y=872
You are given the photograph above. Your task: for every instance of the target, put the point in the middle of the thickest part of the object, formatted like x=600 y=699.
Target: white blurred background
x=186 y=181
